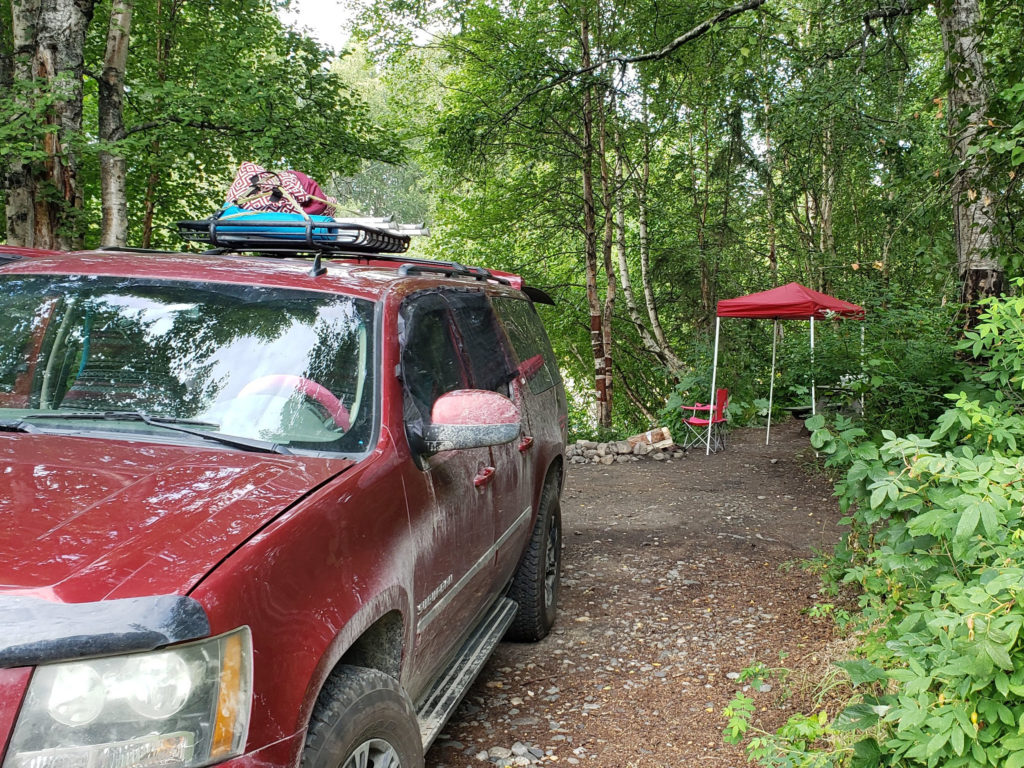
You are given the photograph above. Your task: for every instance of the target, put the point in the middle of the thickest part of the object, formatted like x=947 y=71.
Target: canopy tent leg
x=771 y=385
x=814 y=398
x=714 y=380
x=862 y=388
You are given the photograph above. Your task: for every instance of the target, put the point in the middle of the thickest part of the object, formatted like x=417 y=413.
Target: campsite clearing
x=678 y=575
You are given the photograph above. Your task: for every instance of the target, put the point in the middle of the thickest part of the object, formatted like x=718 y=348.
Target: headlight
x=182 y=707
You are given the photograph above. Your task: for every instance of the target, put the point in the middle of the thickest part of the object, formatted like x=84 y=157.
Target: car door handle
x=483 y=477
x=525 y=444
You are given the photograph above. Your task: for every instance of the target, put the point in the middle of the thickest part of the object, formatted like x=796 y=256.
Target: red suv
x=263 y=513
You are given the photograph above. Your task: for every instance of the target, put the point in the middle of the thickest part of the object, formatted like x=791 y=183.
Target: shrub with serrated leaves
x=937 y=548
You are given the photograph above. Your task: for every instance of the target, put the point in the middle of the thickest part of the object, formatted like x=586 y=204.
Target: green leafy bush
x=937 y=550
x=906 y=365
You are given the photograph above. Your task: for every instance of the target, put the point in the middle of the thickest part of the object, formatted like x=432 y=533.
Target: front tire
x=538 y=578
x=363 y=719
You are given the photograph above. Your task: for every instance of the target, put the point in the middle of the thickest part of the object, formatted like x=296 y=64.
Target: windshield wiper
x=18 y=426
x=166 y=422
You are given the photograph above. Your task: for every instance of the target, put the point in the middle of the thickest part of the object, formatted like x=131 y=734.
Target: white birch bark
x=49 y=41
x=113 y=171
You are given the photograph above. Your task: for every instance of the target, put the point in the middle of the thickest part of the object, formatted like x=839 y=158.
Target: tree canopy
x=639 y=160
x=643 y=160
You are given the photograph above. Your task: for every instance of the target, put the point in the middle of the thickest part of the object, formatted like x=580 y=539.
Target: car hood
x=86 y=519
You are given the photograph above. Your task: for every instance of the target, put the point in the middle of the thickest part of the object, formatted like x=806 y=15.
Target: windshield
x=289 y=367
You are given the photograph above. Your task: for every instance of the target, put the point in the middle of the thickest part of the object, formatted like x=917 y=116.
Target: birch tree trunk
x=674 y=363
x=769 y=154
x=42 y=199
x=826 y=238
x=590 y=238
x=650 y=345
x=653 y=340
x=113 y=171
x=706 y=288
x=980 y=272
x=608 y=309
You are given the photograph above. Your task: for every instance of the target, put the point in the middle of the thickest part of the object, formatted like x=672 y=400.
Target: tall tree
x=199 y=88
x=981 y=273
x=43 y=193
x=599 y=344
x=113 y=169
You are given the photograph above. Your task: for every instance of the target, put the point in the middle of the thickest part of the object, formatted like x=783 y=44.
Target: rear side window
x=533 y=351
x=482 y=342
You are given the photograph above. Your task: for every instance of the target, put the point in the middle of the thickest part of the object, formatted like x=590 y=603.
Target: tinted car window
x=481 y=341
x=527 y=336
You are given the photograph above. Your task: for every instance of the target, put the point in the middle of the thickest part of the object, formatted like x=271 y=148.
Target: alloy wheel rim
x=374 y=753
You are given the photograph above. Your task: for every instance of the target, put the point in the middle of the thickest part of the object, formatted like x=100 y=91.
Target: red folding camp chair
x=697 y=425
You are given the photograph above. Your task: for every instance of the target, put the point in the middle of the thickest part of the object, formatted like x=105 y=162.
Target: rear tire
x=363 y=719
x=538 y=578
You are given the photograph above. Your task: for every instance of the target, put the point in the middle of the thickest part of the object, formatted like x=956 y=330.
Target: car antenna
x=318 y=268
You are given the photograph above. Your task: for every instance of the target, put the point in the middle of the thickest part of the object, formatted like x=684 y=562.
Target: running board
x=449 y=689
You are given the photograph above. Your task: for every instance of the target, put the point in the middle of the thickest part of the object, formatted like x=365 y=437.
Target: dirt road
x=674 y=580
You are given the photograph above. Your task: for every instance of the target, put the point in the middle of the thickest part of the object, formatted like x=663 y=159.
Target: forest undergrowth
x=935 y=561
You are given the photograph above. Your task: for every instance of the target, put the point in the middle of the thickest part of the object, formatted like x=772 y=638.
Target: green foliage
x=807 y=110
x=23 y=122
x=937 y=550
x=189 y=125
x=906 y=366
x=790 y=746
x=207 y=85
x=739 y=712
x=840 y=616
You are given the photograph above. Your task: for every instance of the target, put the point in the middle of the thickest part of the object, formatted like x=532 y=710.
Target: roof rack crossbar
x=341 y=239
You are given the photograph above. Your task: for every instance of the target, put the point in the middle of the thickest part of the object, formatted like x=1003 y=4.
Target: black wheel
x=363 y=719
x=537 y=579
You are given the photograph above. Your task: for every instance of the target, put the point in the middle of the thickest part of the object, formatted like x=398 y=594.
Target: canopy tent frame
x=790 y=301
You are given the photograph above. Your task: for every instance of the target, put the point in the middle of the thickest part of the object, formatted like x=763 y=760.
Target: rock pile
x=621 y=451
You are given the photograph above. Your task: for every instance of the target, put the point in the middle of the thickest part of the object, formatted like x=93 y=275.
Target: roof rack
x=130 y=249
x=324 y=237
x=279 y=235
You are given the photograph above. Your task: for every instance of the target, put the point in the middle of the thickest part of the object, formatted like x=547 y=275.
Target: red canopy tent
x=791 y=301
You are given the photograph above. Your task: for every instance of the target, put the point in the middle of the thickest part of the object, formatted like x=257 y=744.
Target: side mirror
x=471 y=418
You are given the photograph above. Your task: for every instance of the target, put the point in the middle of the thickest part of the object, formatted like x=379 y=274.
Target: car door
x=492 y=367
x=455 y=535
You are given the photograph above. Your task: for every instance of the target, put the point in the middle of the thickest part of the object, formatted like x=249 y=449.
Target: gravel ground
x=676 y=576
